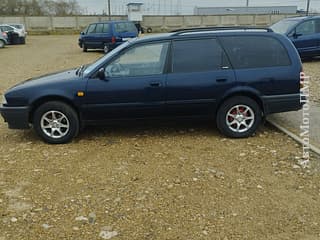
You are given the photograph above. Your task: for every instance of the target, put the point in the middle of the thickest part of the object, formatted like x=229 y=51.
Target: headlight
x=3 y=100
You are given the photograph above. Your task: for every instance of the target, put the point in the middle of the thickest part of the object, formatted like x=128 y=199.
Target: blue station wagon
x=216 y=73
x=107 y=35
x=304 y=32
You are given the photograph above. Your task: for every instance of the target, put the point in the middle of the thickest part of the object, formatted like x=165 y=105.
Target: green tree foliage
x=39 y=7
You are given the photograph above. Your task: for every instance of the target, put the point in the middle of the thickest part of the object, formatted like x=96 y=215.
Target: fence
x=156 y=23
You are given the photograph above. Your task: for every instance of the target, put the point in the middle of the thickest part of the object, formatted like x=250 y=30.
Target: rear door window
x=255 y=52
x=99 y=28
x=198 y=55
x=106 y=28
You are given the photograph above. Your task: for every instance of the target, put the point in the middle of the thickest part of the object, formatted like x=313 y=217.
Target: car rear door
x=200 y=75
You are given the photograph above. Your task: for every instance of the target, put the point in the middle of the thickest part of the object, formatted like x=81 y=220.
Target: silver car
x=3 y=39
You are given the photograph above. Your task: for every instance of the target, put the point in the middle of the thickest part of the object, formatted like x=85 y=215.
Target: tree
x=39 y=7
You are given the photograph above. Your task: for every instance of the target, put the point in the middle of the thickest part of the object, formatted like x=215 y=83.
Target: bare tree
x=39 y=7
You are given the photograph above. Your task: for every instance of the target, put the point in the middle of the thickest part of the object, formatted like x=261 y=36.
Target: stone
x=108 y=234
x=81 y=218
x=46 y=226
x=13 y=219
x=92 y=218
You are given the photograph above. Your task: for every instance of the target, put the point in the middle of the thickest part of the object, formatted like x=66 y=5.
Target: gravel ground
x=149 y=181
x=312 y=69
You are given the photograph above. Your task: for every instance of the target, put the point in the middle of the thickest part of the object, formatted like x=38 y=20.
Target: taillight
x=113 y=39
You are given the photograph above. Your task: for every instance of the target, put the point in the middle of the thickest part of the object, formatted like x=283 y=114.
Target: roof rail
x=204 y=29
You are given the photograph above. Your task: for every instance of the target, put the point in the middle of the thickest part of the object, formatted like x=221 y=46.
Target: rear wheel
x=56 y=122
x=239 y=117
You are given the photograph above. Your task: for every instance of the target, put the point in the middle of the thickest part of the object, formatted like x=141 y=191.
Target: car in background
x=107 y=35
x=18 y=38
x=304 y=32
x=207 y=72
x=3 y=39
x=21 y=29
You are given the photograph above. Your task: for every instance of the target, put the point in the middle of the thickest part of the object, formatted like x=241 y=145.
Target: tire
x=56 y=122
x=106 y=48
x=84 y=47
x=149 y=30
x=23 y=40
x=239 y=117
x=2 y=44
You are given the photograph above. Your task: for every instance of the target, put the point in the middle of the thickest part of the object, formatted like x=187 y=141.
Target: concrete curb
x=294 y=136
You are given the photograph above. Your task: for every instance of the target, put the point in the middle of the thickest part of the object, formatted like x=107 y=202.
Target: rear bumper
x=16 y=117
x=282 y=103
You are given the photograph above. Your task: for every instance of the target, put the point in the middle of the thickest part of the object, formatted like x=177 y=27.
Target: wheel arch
x=250 y=94
x=38 y=102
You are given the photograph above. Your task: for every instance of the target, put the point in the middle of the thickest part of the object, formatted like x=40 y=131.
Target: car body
x=20 y=34
x=21 y=29
x=3 y=39
x=212 y=72
x=304 y=32
x=107 y=35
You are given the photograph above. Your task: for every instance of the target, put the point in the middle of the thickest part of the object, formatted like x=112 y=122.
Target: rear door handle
x=155 y=84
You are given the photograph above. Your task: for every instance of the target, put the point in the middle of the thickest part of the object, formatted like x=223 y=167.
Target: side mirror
x=82 y=33
x=296 y=35
x=101 y=75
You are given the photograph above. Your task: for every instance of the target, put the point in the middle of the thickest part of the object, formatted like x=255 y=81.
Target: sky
x=118 y=7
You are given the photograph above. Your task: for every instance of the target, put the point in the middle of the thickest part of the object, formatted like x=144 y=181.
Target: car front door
x=306 y=38
x=133 y=86
x=200 y=75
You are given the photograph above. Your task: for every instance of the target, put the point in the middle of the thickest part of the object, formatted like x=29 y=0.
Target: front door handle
x=155 y=84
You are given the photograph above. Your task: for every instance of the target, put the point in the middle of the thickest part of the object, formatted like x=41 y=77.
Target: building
x=245 y=10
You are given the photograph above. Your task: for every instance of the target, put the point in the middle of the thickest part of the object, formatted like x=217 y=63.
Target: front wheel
x=239 y=117
x=84 y=47
x=56 y=122
x=2 y=44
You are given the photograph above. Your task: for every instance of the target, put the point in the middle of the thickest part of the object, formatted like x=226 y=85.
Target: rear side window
x=255 y=52
x=125 y=27
x=198 y=55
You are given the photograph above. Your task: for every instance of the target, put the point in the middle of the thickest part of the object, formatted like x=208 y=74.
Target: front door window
x=139 y=61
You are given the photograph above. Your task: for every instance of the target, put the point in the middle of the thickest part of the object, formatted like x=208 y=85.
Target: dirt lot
x=173 y=181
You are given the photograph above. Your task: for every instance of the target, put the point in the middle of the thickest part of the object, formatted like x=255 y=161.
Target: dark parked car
x=304 y=32
x=107 y=35
x=209 y=72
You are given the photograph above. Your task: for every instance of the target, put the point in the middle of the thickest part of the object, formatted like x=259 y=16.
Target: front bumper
x=16 y=117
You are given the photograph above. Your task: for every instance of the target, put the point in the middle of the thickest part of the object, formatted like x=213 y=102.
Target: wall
x=157 y=23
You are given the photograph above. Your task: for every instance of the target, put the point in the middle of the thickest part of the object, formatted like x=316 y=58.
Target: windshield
x=283 y=26
x=104 y=58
